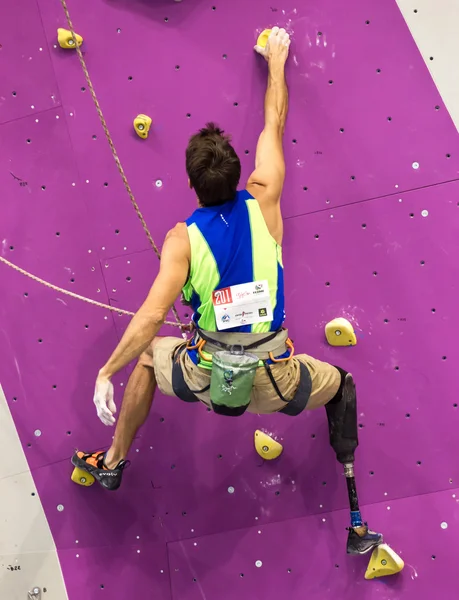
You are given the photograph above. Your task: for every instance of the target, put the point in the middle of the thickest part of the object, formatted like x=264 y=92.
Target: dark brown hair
x=212 y=165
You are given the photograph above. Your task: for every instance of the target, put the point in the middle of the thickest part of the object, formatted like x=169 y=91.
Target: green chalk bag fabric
x=233 y=374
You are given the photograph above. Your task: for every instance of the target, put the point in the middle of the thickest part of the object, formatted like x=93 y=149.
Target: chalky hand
x=277 y=46
x=104 y=401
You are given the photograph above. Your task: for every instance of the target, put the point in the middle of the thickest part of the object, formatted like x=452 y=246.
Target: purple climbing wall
x=371 y=208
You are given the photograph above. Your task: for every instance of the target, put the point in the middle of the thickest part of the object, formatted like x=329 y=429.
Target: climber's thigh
x=323 y=385
x=175 y=369
x=325 y=379
x=164 y=350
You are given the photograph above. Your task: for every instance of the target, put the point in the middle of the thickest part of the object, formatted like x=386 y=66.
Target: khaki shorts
x=264 y=399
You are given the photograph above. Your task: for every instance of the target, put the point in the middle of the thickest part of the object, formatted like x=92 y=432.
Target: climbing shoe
x=94 y=464
x=361 y=540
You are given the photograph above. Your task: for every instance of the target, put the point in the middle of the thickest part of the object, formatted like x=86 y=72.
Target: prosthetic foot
x=362 y=540
x=90 y=467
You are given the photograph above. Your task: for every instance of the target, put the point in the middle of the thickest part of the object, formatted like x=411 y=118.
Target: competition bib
x=243 y=304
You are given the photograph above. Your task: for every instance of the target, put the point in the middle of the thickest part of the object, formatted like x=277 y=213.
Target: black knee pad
x=342 y=419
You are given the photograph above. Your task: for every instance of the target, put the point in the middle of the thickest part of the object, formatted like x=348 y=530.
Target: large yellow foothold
x=142 y=124
x=65 y=39
x=340 y=332
x=263 y=38
x=82 y=477
x=384 y=561
x=266 y=447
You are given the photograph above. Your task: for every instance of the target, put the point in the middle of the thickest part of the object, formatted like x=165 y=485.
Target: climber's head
x=213 y=167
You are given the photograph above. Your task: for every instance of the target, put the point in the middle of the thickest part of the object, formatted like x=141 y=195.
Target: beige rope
x=111 y=144
x=120 y=311
x=128 y=189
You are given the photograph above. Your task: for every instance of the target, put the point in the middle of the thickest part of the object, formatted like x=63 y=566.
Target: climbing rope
x=56 y=288
x=178 y=322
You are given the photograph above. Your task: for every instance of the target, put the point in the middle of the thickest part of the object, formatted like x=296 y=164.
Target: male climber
x=226 y=259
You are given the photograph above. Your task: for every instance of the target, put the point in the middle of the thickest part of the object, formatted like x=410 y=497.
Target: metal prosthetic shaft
x=356 y=517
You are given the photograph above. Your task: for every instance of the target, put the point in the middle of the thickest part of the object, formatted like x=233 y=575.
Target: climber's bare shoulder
x=176 y=250
x=173 y=270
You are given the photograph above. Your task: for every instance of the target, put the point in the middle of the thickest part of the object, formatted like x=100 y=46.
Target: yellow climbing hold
x=266 y=447
x=340 y=332
x=82 y=477
x=142 y=124
x=384 y=561
x=263 y=38
x=65 y=39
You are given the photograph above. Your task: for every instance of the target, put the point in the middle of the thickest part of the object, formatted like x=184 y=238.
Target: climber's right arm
x=267 y=180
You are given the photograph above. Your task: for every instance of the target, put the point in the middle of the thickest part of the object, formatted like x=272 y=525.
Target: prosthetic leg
x=342 y=424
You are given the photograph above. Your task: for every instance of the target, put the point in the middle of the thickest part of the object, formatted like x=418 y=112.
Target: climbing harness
x=235 y=358
x=178 y=322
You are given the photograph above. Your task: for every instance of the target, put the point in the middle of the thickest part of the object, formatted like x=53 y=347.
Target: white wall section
x=28 y=556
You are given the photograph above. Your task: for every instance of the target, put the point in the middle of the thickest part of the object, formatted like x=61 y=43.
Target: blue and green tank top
x=231 y=245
